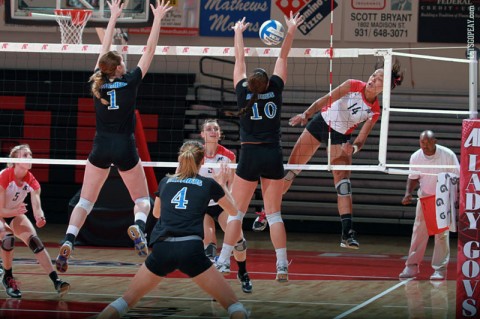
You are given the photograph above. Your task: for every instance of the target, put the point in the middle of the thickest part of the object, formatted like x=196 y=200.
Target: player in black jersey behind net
x=115 y=91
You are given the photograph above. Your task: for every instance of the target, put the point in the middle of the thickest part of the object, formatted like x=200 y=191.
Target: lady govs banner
x=468 y=259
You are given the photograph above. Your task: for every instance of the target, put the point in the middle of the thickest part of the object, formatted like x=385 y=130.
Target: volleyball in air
x=272 y=32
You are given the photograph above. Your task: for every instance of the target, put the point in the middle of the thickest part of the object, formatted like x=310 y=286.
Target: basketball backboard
x=136 y=13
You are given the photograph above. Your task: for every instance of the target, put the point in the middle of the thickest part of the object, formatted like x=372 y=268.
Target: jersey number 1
x=113 y=100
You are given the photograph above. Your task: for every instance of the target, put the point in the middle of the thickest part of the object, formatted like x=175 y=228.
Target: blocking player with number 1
x=350 y=104
x=114 y=92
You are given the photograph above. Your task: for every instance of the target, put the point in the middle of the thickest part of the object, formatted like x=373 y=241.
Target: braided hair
x=257 y=83
x=107 y=65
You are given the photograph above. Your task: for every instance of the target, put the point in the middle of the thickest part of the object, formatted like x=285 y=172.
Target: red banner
x=468 y=259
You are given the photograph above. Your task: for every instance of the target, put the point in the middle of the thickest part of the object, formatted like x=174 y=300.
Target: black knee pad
x=8 y=242
x=241 y=245
x=35 y=244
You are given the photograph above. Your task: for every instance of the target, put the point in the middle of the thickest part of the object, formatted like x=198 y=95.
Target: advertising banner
x=182 y=19
x=468 y=255
x=381 y=20
x=448 y=21
x=218 y=16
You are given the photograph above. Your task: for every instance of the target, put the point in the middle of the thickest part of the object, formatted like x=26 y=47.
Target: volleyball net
x=46 y=100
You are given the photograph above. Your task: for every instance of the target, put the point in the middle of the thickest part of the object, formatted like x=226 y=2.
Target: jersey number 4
x=113 y=100
x=180 y=199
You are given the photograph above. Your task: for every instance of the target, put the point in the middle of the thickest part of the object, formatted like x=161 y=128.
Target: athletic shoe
x=260 y=222
x=409 y=272
x=61 y=262
x=11 y=287
x=438 y=275
x=224 y=268
x=1 y=270
x=282 y=273
x=211 y=251
x=247 y=286
x=349 y=241
x=136 y=234
x=62 y=287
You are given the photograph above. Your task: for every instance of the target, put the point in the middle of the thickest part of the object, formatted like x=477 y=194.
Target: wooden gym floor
x=326 y=281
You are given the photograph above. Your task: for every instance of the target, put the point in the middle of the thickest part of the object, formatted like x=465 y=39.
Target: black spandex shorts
x=214 y=211
x=319 y=129
x=260 y=160
x=187 y=256
x=117 y=149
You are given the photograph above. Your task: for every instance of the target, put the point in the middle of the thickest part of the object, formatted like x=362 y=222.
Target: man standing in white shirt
x=430 y=153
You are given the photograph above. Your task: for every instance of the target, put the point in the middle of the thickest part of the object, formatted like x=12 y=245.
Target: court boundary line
x=374 y=298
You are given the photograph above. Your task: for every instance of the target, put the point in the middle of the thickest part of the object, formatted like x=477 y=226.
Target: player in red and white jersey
x=216 y=153
x=16 y=182
x=352 y=103
x=345 y=114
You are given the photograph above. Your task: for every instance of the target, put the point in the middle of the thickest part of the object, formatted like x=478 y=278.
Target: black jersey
x=183 y=205
x=119 y=115
x=262 y=122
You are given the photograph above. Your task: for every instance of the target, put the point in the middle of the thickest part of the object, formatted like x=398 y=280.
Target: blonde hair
x=107 y=67
x=15 y=150
x=190 y=159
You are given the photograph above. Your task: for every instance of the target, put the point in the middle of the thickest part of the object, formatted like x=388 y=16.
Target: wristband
x=355 y=148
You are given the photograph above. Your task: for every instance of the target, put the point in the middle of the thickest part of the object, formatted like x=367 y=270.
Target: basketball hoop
x=72 y=22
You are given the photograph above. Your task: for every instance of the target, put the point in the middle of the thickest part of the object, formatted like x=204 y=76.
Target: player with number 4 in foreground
x=114 y=92
x=259 y=98
x=180 y=206
x=339 y=113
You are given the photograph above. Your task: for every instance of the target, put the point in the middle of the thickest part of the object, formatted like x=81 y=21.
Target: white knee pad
x=120 y=305
x=344 y=188
x=237 y=307
x=239 y=217
x=274 y=218
x=143 y=204
x=85 y=204
x=291 y=174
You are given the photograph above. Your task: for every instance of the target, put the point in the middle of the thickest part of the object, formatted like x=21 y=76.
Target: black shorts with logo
x=214 y=211
x=260 y=160
x=319 y=129
x=117 y=149
x=187 y=256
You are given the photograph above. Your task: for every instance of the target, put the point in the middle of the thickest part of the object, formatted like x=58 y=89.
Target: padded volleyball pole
x=145 y=154
x=382 y=149
x=473 y=83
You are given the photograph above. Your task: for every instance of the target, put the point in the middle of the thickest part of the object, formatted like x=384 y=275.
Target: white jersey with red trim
x=15 y=194
x=345 y=114
x=222 y=155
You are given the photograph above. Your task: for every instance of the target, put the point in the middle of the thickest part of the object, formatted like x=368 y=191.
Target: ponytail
x=190 y=159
